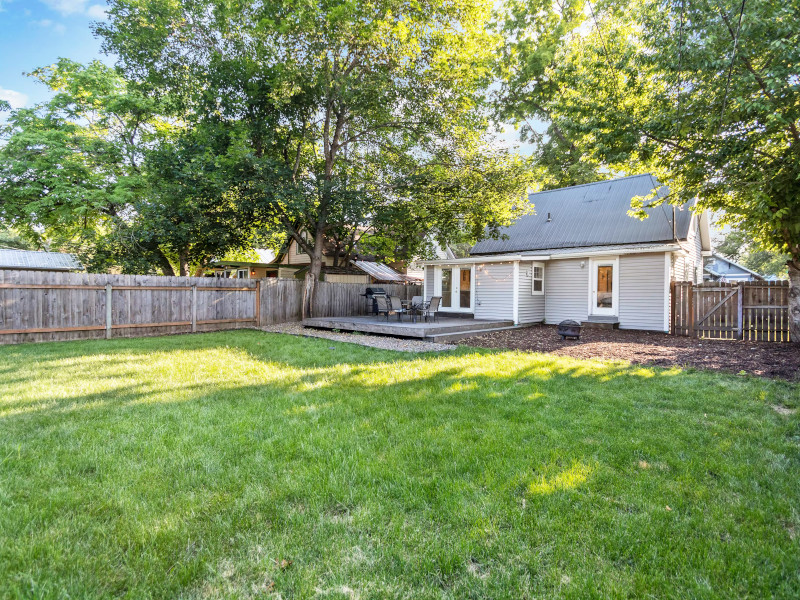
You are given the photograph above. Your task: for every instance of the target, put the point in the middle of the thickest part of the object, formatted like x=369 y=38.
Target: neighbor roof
x=382 y=272
x=594 y=214
x=726 y=272
x=40 y=261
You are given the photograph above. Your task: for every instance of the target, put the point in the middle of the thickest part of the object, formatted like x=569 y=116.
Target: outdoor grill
x=569 y=328
x=369 y=295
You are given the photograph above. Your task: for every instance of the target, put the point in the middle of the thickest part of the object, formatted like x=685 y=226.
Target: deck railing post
x=109 y=290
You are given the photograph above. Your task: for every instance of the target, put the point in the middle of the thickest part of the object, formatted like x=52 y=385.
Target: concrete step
x=601 y=323
x=444 y=338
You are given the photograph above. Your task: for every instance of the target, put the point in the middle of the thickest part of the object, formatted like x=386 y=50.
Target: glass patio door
x=457 y=288
x=447 y=288
x=465 y=288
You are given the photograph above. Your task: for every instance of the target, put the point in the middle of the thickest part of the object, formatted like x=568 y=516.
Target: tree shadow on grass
x=417 y=449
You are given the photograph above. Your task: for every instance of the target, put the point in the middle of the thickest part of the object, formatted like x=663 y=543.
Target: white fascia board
x=472 y=260
x=616 y=252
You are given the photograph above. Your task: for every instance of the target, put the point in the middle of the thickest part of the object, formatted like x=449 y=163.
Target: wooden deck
x=445 y=329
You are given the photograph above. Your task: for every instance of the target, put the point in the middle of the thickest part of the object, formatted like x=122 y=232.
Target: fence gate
x=751 y=311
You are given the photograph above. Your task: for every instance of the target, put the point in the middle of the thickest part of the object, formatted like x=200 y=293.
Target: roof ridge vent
x=549 y=218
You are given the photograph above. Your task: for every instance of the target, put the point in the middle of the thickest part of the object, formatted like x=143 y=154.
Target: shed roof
x=383 y=272
x=593 y=214
x=39 y=261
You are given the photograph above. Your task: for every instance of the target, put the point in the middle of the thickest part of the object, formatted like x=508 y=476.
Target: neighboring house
x=33 y=260
x=581 y=257
x=292 y=262
x=719 y=268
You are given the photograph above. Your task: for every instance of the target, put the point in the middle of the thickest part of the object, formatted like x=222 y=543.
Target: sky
x=36 y=33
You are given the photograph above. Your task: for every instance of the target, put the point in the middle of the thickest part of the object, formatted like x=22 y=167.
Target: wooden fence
x=46 y=306
x=751 y=310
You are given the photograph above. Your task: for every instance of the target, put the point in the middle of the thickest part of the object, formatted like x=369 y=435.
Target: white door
x=456 y=288
x=604 y=296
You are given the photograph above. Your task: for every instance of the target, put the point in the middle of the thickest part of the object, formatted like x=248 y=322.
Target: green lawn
x=247 y=464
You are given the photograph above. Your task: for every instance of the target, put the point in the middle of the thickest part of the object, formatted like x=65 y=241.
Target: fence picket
x=758 y=311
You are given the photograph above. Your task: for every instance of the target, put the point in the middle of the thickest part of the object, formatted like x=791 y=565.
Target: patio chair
x=384 y=307
x=396 y=305
x=432 y=309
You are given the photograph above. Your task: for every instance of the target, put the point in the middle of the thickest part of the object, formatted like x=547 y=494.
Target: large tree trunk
x=166 y=266
x=794 y=301
x=312 y=277
x=183 y=266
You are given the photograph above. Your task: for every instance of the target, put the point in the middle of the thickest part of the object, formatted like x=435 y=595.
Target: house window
x=243 y=274
x=299 y=249
x=537 y=278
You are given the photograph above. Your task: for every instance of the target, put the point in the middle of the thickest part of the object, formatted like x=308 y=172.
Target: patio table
x=413 y=309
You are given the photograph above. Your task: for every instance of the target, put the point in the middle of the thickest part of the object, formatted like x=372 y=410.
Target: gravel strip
x=375 y=341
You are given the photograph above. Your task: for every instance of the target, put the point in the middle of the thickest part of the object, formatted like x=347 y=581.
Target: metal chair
x=432 y=309
x=396 y=305
x=384 y=307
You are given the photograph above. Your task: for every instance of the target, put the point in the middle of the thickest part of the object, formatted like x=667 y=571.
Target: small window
x=243 y=274
x=537 y=277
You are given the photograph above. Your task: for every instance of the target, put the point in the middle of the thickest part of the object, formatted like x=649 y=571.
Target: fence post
x=108 y=310
x=692 y=332
x=740 y=312
x=258 y=303
x=194 y=308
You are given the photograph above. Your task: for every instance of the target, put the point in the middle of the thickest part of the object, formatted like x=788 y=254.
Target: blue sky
x=35 y=33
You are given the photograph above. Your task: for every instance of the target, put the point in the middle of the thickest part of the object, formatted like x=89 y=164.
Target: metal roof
x=39 y=261
x=381 y=272
x=593 y=214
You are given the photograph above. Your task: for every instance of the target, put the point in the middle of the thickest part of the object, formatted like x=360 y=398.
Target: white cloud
x=96 y=11
x=15 y=99
x=67 y=7
x=50 y=24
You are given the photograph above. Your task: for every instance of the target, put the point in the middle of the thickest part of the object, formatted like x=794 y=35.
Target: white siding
x=641 y=291
x=430 y=274
x=494 y=297
x=685 y=264
x=531 y=308
x=566 y=288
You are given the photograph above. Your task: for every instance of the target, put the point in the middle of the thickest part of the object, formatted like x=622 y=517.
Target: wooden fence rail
x=45 y=306
x=750 y=310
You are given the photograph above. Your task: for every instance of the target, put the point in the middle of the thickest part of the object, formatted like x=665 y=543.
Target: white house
x=719 y=268
x=582 y=257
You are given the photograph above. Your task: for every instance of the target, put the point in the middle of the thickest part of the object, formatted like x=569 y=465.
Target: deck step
x=444 y=338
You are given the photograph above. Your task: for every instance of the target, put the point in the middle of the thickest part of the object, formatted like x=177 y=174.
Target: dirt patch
x=652 y=348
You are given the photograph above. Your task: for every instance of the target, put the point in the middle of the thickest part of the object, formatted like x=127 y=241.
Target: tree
x=112 y=175
x=344 y=116
x=739 y=248
x=706 y=96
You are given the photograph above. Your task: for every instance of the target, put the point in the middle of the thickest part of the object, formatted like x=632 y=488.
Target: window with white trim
x=537 y=280
x=243 y=274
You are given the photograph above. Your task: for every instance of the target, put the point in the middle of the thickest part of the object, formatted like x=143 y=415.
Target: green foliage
x=347 y=120
x=104 y=171
x=681 y=90
x=9 y=238
x=193 y=466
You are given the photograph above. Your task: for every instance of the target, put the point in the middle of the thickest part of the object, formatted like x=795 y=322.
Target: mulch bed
x=652 y=348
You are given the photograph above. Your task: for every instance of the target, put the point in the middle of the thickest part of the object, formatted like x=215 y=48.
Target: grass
x=246 y=464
